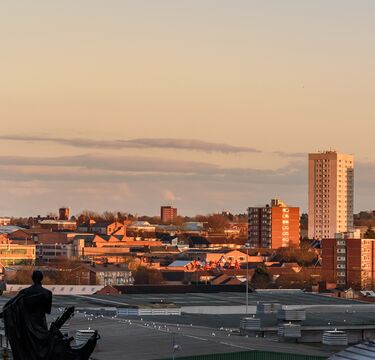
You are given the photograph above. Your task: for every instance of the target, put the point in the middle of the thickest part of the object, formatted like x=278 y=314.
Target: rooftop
x=179 y=263
x=53 y=222
x=104 y=268
x=9 y=229
x=150 y=337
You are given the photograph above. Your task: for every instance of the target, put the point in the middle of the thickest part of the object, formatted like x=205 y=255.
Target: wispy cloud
x=142 y=143
x=93 y=168
x=134 y=168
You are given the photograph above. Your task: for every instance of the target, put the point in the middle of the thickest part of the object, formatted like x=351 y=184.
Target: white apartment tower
x=331 y=194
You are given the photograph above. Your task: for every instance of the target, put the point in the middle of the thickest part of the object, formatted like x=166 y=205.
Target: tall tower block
x=331 y=194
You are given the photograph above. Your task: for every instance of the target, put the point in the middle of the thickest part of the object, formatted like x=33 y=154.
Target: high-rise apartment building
x=273 y=226
x=168 y=214
x=331 y=194
x=349 y=261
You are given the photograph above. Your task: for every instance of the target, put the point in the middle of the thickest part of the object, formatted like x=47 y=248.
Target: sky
x=206 y=105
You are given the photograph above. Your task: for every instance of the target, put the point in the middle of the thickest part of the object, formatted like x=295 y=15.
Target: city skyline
x=195 y=178
x=113 y=110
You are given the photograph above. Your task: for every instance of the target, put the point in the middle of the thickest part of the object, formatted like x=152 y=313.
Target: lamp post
x=247 y=246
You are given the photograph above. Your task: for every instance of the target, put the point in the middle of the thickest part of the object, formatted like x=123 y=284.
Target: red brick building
x=273 y=226
x=349 y=262
x=168 y=214
x=64 y=213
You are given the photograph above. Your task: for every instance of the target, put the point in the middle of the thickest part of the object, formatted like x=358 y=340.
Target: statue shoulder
x=47 y=292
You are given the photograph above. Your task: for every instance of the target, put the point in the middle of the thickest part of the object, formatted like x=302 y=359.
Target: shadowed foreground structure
x=26 y=327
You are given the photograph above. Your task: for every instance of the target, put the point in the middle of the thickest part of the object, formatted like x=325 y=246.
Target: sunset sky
x=208 y=105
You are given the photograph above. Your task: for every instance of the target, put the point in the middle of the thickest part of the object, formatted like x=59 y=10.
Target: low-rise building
x=27 y=236
x=58 y=225
x=4 y=221
x=14 y=254
x=49 y=252
x=226 y=256
x=108 y=228
x=216 y=241
x=141 y=229
x=109 y=275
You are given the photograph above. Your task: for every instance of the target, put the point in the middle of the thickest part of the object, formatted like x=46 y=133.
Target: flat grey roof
x=150 y=338
x=204 y=299
x=212 y=299
x=147 y=340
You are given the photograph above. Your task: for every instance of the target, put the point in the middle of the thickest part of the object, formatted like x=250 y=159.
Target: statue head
x=37 y=277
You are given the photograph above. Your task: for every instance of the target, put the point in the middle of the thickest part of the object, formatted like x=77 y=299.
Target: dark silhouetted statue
x=27 y=331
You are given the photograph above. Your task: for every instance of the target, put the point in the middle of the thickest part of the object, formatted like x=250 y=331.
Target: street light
x=247 y=246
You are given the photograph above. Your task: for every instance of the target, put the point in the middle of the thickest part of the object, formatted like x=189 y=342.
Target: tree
x=52 y=215
x=217 y=223
x=304 y=255
x=88 y=214
x=261 y=278
x=370 y=233
x=147 y=276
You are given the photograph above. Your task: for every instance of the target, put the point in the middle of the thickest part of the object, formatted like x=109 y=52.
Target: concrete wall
x=61 y=289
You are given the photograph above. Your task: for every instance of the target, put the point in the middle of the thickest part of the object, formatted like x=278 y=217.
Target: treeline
x=212 y=222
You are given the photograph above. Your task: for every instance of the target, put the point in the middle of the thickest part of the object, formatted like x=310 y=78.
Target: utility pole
x=247 y=245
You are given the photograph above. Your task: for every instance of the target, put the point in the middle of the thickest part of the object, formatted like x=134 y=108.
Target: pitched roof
x=9 y=229
x=107 y=238
x=102 y=224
